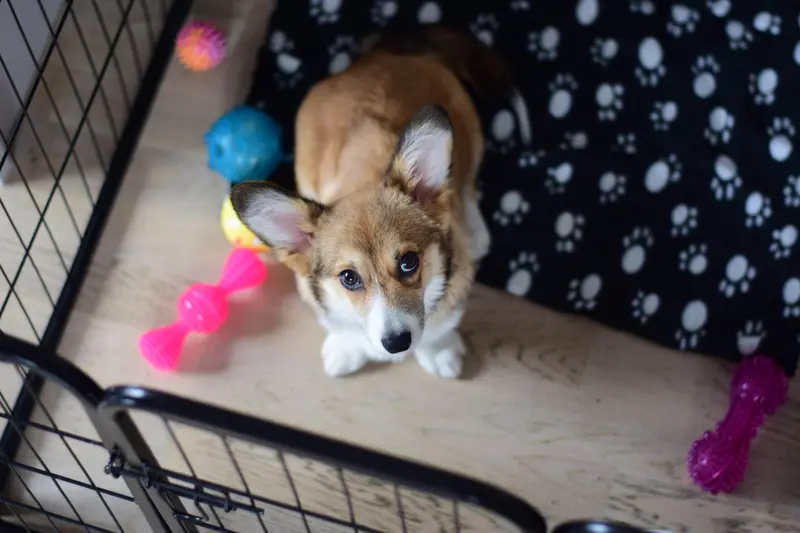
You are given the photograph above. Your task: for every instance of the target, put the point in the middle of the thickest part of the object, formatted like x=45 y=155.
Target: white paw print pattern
x=783 y=240
x=612 y=187
x=512 y=209
x=604 y=50
x=523 y=271
x=720 y=126
x=651 y=68
x=684 y=220
x=749 y=338
x=583 y=293
x=609 y=101
x=739 y=37
x=558 y=177
x=484 y=27
x=645 y=305
x=569 y=231
x=791 y=192
x=577 y=140
x=586 y=11
x=781 y=132
x=705 y=70
x=683 y=19
x=325 y=11
x=625 y=143
x=503 y=129
x=726 y=180
x=520 y=5
x=720 y=8
x=561 y=90
x=383 y=11
x=693 y=321
x=643 y=7
x=530 y=158
x=693 y=259
x=767 y=23
x=763 y=86
x=791 y=298
x=757 y=209
x=634 y=249
x=663 y=115
x=429 y=13
x=289 y=71
x=341 y=52
x=739 y=273
x=544 y=44
x=662 y=172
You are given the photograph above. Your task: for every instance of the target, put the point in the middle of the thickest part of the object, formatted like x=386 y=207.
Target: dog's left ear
x=421 y=165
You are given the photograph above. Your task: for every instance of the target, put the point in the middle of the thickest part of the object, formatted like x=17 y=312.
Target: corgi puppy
x=385 y=232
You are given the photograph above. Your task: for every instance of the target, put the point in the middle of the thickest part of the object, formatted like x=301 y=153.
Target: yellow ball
x=236 y=232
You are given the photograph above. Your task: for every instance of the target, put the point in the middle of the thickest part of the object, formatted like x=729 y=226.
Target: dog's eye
x=409 y=263
x=350 y=279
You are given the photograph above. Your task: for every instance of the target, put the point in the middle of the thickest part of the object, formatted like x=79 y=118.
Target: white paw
x=447 y=361
x=341 y=357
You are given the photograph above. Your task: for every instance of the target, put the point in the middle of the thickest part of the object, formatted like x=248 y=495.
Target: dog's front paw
x=340 y=356
x=445 y=359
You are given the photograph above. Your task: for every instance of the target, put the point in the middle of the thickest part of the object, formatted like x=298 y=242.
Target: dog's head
x=377 y=260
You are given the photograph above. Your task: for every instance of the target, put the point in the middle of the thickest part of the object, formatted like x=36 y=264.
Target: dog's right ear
x=285 y=222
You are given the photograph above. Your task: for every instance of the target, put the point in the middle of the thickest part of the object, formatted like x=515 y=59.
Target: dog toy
x=203 y=308
x=244 y=144
x=200 y=46
x=717 y=461
x=236 y=232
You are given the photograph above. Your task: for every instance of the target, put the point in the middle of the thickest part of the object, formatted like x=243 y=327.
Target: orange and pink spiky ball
x=200 y=46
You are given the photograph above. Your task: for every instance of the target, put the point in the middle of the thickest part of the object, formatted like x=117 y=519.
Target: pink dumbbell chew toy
x=203 y=308
x=717 y=461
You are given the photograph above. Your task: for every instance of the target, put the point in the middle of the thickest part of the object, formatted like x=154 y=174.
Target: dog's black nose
x=397 y=342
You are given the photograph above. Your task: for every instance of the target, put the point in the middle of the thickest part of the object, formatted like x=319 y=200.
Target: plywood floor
x=579 y=420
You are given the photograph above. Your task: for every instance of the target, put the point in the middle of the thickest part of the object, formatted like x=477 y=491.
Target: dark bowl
x=596 y=526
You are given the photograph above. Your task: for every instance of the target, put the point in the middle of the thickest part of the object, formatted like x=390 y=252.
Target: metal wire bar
x=400 y=511
x=456 y=517
x=13 y=291
x=294 y=490
x=18 y=517
x=111 y=48
x=242 y=479
x=41 y=427
x=51 y=515
x=137 y=62
x=148 y=22
x=349 y=499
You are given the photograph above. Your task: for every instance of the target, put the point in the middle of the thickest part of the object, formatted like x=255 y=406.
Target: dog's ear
x=285 y=222
x=421 y=164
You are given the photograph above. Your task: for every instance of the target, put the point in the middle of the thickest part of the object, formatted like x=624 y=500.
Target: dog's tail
x=479 y=66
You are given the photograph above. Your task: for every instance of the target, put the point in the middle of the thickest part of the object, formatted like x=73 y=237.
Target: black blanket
x=661 y=195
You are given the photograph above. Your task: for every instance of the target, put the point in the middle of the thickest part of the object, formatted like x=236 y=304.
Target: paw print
x=583 y=293
x=569 y=231
x=738 y=275
x=684 y=220
x=523 y=270
x=749 y=338
x=484 y=28
x=757 y=209
x=561 y=89
x=791 y=298
x=325 y=11
x=739 y=37
x=341 y=52
x=767 y=23
x=726 y=180
x=383 y=11
x=782 y=241
x=719 y=8
x=780 y=134
x=651 y=68
x=663 y=172
x=645 y=305
x=429 y=13
x=791 y=192
x=663 y=115
x=574 y=141
x=693 y=321
x=530 y=158
x=693 y=259
x=289 y=66
x=558 y=177
x=612 y=187
x=520 y=5
x=705 y=70
x=625 y=143
x=643 y=7
x=683 y=20
x=502 y=139
x=544 y=44
x=513 y=208
x=720 y=126
x=635 y=248
x=763 y=85
x=609 y=100
x=603 y=50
